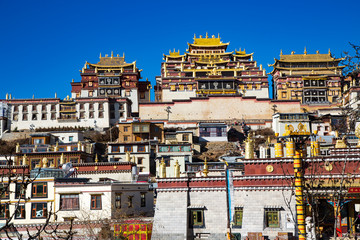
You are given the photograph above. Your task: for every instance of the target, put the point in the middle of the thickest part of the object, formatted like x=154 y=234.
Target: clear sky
x=44 y=44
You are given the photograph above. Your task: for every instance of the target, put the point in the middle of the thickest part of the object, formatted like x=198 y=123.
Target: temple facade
x=112 y=77
x=313 y=79
x=207 y=68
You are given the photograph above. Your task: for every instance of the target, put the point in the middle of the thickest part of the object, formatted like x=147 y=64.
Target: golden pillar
x=300 y=212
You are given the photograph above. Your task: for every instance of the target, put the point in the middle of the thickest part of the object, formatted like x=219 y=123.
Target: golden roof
x=242 y=53
x=207 y=42
x=111 y=61
x=174 y=54
x=307 y=57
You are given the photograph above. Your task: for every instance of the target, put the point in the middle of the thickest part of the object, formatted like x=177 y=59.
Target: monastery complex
x=211 y=157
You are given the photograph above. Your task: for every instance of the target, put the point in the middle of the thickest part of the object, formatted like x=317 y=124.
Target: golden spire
x=206 y=35
x=206 y=170
x=281 y=52
x=305 y=52
x=112 y=54
x=100 y=55
x=194 y=36
x=123 y=54
x=329 y=52
x=96 y=158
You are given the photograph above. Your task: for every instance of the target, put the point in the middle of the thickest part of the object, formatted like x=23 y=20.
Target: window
x=185 y=137
x=39 y=141
x=142 y=199
x=141 y=148
x=197 y=218
x=115 y=149
x=39 y=190
x=25 y=117
x=82 y=115
x=20 y=191
x=4 y=211
x=43 y=116
x=272 y=218
x=127 y=93
x=128 y=148
x=91 y=106
x=126 y=138
x=38 y=210
x=142 y=95
x=101 y=106
x=140 y=160
x=82 y=106
x=126 y=129
x=15 y=116
x=117 y=200
x=130 y=201
x=91 y=114
x=238 y=216
x=71 y=138
x=69 y=202
x=34 y=108
x=95 y=202
x=101 y=114
x=53 y=116
x=20 y=212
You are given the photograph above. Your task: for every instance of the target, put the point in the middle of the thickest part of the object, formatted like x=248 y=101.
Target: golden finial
x=206 y=35
x=44 y=162
x=292 y=52
x=24 y=162
x=281 y=52
x=206 y=170
x=123 y=54
x=194 y=36
x=127 y=157
x=7 y=96
x=162 y=170
x=177 y=169
x=96 y=158
x=72 y=80
x=218 y=35
x=317 y=51
x=112 y=54
x=329 y=52
x=55 y=95
x=100 y=55
x=17 y=147
x=305 y=52
x=33 y=96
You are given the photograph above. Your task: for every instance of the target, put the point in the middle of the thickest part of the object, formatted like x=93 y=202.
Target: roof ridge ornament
x=305 y=52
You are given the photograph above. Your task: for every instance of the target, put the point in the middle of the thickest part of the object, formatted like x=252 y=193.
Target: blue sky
x=44 y=44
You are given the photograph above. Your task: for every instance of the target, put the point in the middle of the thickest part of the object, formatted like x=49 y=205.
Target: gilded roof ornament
x=281 y=52
x=305 y=52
